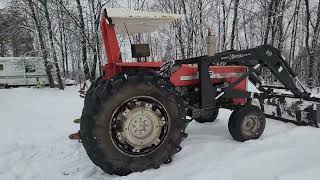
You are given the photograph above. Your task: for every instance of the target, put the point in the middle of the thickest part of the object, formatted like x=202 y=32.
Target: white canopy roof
x=138 y=21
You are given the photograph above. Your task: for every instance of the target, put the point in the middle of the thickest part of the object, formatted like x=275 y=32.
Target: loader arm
x=269 y=57
x=266 y=56
x=261 y=56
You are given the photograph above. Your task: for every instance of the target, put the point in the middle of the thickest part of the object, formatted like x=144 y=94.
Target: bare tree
x=82 y=30
x=314 y=42
x=53 y=50
x=234 y=23
x=43 y=48
x=290 y=25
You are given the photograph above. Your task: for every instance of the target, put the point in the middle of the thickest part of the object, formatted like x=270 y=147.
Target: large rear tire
x=132 y=122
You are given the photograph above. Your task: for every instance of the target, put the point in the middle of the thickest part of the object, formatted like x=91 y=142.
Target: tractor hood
x=138 y=21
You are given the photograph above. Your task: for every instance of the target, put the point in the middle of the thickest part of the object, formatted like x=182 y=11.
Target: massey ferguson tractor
x=135 y=115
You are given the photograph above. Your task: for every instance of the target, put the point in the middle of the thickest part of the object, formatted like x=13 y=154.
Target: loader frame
x=264 y=56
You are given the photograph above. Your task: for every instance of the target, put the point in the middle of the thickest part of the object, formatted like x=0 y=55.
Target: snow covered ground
x=35 y=124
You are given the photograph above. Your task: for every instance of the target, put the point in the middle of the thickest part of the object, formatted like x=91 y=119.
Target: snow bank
x=35 y=125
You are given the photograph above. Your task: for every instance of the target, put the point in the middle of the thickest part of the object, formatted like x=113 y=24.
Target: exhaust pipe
x=211 y=43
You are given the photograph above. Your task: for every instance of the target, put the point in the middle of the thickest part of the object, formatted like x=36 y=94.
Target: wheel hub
x=139 y=125
x=141 y=128
x=250 y=125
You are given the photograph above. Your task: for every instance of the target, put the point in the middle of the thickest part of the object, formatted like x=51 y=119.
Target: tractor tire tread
x=235 y=120
x=99 y=93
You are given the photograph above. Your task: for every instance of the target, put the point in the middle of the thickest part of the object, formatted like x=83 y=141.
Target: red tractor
x=135 y=115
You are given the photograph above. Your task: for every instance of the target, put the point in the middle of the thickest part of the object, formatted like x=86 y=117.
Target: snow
x=35 y=124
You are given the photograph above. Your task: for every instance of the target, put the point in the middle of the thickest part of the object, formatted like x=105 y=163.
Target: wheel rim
x=250 y=125
x=139 y=126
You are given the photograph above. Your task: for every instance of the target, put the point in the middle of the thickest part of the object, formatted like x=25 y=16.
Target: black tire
x=233 y=113
x=104 y=98
x=246 y=123
x=212 y=116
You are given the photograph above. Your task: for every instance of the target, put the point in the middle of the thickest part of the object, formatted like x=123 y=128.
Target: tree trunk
x=219 y=46
x=234 y=22
x=94 y=65
x=294 y=32
x=274 y=22
x=62 y=51
x=44 y=52
x=95 y=32
x=311 y=50
x=315 y=41
x=2 y=49
x=61 y=34
x=180 y=40
x=54 y=54
x=224 y=36
x=281 y=25
x=98 y=44
x=65 y=49
x=266 y=35
x=245 y=32
x=66 y=53
x=83 y=41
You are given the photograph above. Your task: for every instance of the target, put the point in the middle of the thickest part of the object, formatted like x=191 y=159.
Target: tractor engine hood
x=132 y=21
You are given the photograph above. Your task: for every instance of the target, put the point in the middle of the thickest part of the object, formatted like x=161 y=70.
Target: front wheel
x=247 y=122
x=132 y=122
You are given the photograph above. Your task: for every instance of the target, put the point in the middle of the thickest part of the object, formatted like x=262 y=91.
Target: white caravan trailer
x=22 y=71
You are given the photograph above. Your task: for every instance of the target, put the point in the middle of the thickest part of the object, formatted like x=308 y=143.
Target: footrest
x=75 y=136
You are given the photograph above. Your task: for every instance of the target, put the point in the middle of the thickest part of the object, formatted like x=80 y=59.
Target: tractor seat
x=140 y=51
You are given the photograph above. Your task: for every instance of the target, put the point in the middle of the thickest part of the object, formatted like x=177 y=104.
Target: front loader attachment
x=290 y=102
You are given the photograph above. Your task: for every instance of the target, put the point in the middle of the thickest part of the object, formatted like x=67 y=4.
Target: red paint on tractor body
x=115 y=64
x=185 y=76
x=155 y=65
x=111 y=45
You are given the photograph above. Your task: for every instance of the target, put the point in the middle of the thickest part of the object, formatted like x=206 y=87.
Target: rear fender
x=112 y=69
